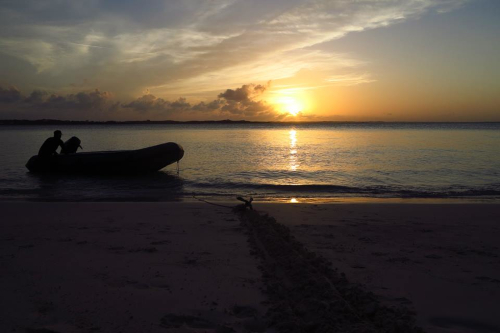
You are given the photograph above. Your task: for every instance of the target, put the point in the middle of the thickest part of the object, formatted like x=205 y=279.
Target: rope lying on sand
x=212 y=203
x=306 y=294
x=247 y=203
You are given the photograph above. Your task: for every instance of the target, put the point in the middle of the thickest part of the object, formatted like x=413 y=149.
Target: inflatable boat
x=110 y=162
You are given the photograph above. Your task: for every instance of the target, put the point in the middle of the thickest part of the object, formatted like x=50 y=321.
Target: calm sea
x=270 y=162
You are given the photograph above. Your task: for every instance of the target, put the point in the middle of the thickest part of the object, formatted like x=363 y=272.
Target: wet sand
x=193 y=267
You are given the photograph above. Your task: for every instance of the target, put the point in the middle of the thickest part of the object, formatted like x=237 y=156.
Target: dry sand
x=188 y=267
x=126 y=267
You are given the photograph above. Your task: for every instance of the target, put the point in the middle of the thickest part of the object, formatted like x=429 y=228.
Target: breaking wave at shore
x=321 y=190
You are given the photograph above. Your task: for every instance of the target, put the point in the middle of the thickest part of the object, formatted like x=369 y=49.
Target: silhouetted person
x=50 y=145
x=71 y=146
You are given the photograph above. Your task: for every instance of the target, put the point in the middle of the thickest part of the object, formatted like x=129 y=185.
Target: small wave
x=339 y=190
x=256 y=186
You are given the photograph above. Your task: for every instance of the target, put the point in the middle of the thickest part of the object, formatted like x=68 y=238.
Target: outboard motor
x=71 y=146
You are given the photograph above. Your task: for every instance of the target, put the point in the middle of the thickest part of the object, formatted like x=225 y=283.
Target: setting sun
x=291 y=105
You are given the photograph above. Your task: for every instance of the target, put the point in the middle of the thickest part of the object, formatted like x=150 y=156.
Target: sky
x=261 y=60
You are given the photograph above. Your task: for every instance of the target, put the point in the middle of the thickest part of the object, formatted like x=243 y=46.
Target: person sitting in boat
x=49 y=147
x=71 y=146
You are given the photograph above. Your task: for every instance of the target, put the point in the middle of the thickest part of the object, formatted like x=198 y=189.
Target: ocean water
x=270 y=162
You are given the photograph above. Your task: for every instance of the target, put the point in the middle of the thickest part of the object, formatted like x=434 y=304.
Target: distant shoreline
x=224 y=122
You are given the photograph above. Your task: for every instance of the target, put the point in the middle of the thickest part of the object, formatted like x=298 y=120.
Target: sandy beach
x=127 y=267
x=194 y=267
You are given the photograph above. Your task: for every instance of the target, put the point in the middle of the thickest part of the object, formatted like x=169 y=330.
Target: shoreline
x=354 y=200
x=291 y=200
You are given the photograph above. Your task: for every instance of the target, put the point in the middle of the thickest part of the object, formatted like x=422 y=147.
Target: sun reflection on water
x=293 y=138
x=293 y=150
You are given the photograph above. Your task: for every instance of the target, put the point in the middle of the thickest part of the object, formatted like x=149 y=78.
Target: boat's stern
x=154 y=158
x=180 y=154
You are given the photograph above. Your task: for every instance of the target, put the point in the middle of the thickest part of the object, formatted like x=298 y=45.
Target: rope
x=211 y=203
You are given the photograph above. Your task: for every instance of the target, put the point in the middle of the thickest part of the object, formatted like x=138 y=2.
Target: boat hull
x=144 y=160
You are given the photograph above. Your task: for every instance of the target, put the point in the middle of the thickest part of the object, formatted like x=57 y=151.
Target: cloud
x=36 y=97
x=214 y=105
x=250 y=109
x=148 y=103
x=245 y=93
x=9 y=95
x=241 y=102
x=88 y=101
x=168 y=46
x=40 y=103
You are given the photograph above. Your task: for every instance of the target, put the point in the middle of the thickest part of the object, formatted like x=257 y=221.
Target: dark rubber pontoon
x=110 y=162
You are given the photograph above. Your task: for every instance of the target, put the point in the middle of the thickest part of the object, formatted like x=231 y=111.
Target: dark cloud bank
x=239 y=103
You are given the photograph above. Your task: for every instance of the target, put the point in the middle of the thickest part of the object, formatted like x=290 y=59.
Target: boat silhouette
x=143 y=160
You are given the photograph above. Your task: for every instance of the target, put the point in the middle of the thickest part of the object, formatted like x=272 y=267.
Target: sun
x=291 y=105
x=294 y=109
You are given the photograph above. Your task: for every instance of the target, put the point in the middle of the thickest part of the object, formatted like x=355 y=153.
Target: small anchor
x=248 y=203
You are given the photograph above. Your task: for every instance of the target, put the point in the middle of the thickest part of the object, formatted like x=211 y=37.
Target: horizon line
x=225 y=121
